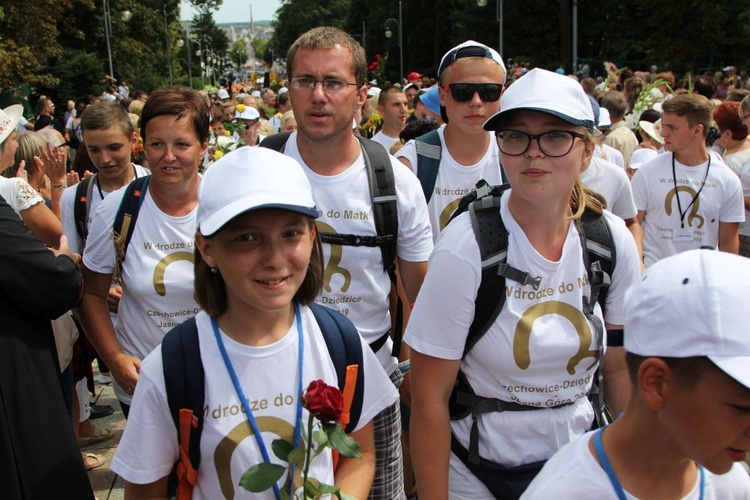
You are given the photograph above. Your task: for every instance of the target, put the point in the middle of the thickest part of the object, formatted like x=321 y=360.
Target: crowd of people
x=524 y=283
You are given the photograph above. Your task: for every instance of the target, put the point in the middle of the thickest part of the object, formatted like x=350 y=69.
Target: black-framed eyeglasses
x=464 y=92
x=330 y=85
x=553 y=143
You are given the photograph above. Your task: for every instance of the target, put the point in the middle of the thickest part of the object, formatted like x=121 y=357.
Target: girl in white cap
x=257 y=270
x=534 y=366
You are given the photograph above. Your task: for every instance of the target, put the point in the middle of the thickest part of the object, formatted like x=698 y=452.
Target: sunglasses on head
x=464 y=92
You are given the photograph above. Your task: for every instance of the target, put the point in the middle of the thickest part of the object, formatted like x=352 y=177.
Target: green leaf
x=344 y=496
x=320 y=437
x=297 y=454
x=281 y=448
x=261 y=477
x=284 y=494
x=312 y=489
x=327 y=488
x=345 y=445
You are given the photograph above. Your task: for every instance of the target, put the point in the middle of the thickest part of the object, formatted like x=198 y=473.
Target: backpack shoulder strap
x=429 y=152
x=345 y=347
x=383 y=194
x=82 y=205
x=600 y=255
x=277 y=142
x=126 y=217
x=184 y=380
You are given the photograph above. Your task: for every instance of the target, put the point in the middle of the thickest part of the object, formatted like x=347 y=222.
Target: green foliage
x=238 y=53
x=294 y=17
x=261 y=477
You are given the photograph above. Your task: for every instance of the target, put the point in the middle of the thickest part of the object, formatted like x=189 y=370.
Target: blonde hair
x=583 y=198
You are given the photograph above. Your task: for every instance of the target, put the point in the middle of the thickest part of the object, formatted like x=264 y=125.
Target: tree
x=238 y=53
x=294 y=17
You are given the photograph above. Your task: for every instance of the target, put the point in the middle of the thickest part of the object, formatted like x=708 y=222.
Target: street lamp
x=125 y=15
x=499 y=18
x=200 y=57
x=389 y=34
x=169 y=56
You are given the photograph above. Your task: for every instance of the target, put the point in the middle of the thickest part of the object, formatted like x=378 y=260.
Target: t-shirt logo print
x=522 y=334
x=161 y=269
x=333 y=267
x=693 y=208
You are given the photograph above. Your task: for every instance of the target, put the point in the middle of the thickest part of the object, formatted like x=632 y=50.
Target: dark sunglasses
x=464 y=92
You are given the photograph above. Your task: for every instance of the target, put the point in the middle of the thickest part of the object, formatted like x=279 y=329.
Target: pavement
x=107 y=485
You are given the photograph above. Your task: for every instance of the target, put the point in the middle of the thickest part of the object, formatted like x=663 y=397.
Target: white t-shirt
x=574 y=474
x=736 y=160
x=385 y=140
x=529 y=354
x=19 y=194
x=745 y=181
x=157 y=274
x=720 y=200
x=268 y=376
x=613 y=183
x=355 y=282
x=454 y=180
x=610 y=154
x=67 y=209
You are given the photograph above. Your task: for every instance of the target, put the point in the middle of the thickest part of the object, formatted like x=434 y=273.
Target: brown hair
x=583 y=198
x=687 y=371
x=696 y=108
x=106 y=114
x=383 y=96
x=744 y=106
x=727 y=117
x=178 y=101
x=327 y=37
x=211 y=291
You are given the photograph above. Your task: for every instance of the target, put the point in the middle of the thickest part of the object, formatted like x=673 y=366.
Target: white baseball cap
x=373 y=91
x=222 y=94
x=469 y=48
x=546 y=92
x=250 y=113
x=248 y=179
x=693 y=304
x=605 y=120
x=255 y=93
x=9 y=118
x=282 y=91
x=641 y=156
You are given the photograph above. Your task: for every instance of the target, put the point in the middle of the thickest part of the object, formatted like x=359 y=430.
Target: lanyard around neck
x=601 y=454
x=246 y=405
x=677 y=195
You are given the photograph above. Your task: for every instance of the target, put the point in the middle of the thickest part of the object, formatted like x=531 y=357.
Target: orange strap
x=186 y=474
x=350 y=386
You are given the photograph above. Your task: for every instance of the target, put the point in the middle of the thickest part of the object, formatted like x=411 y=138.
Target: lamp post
x=200 y=57
x=125 y=15
x=389 y=34
x=499 y=18
x=169 y=50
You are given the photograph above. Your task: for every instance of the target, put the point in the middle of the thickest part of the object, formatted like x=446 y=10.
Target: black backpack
x=184 y=380
x=492 y=236
x=82 y=205
x=429 y=152
x=125 y=219
x=385 y=216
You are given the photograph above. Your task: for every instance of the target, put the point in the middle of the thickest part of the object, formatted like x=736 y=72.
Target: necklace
x=246 y=406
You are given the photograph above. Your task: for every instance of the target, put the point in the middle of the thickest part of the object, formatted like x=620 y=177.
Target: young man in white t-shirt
x=392 y=107
x=687 y=198
x=328 y=69
x=109 y=137
x=687 y=423
x=471 y=79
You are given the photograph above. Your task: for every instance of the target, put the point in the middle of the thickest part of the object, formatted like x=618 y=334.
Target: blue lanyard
x=246 y=405
x=607 y=466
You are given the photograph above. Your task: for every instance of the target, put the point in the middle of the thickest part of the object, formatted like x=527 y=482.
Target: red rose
x=377 y=57
x=373 y=65
x=323 y=401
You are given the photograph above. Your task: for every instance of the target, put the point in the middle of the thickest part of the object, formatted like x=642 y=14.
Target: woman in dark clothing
x=39 y=457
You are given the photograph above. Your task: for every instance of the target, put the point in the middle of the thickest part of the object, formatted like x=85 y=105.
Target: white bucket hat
x=9 y=118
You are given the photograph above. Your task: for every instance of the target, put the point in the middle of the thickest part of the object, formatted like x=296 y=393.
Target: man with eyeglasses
x=471 y=77
x=328 y=69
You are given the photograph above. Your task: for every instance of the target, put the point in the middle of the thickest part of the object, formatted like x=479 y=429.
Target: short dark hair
x=416 y=128
x=178 y=101
x=687 y=371
x=327 y=37
x=104 y=115
x=383 y=96
x=705 y=86
x=210 y=291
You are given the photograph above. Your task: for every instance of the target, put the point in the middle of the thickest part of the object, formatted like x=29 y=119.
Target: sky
x=232 y=11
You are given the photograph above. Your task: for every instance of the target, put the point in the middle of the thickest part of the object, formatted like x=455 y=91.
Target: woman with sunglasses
x=545 y=141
